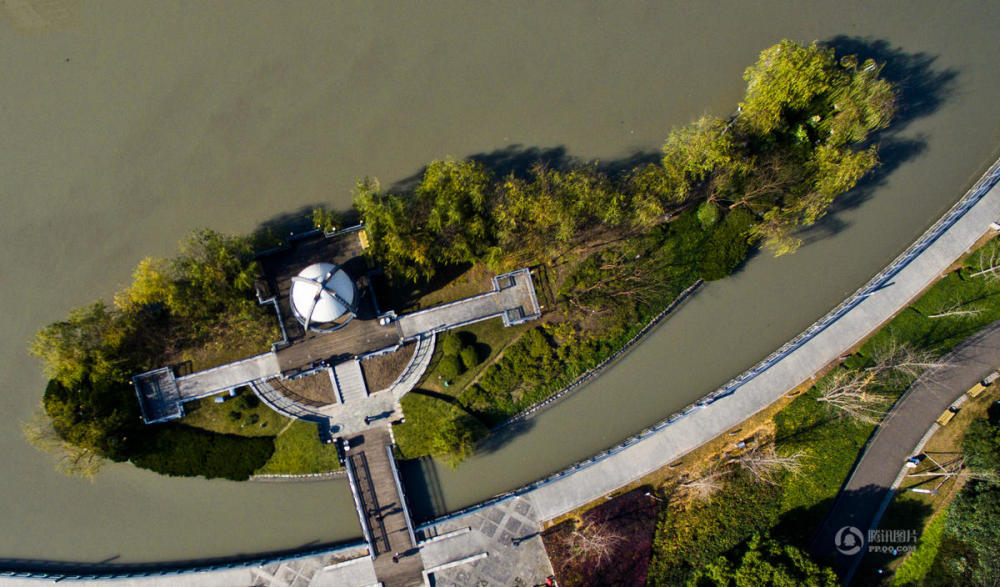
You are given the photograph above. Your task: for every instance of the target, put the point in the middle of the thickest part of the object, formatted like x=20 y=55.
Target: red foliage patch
x=611 y=546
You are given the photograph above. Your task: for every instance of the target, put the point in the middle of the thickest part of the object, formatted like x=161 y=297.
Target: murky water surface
x=126 y=124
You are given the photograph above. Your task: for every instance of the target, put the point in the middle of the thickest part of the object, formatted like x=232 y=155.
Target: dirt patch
x=608 y=545
x=380 y=372
x=311 y=390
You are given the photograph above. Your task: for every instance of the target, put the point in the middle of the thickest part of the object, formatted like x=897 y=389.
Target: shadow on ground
x=844 y=534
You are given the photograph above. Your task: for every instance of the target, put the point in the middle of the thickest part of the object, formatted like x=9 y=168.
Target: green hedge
x=181 y=451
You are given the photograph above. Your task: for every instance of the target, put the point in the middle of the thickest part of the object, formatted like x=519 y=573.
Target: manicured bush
x=469 y=357
x=449 y=367
x=451 y=343
x=247 y=400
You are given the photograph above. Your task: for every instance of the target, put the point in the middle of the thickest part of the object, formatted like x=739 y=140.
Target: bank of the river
x=288 y=103
x=586 y=377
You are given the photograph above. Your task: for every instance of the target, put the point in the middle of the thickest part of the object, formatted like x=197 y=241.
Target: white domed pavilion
x=323 y=297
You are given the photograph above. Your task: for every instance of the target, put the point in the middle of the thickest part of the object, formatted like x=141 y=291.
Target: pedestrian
x=395 y=558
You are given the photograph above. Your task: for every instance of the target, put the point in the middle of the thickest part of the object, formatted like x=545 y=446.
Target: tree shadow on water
x=922 y=90
x=518 y=160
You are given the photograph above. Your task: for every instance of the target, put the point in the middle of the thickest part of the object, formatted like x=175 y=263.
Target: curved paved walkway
x=897 y=438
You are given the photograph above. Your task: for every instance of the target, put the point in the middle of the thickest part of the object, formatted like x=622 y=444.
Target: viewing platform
x=334 y=336
x=512 y=299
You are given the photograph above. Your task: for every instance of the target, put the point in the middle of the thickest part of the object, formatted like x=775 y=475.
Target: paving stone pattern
x=493 y=531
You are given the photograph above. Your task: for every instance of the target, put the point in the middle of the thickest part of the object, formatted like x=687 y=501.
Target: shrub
x=235 y=415
x=708 y=214
x=449 y=367
x=728 y=246
x=248 y=401
x=469 y=357
x=451 y=344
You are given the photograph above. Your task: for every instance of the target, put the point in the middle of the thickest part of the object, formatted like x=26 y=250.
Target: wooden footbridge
x=382 y=509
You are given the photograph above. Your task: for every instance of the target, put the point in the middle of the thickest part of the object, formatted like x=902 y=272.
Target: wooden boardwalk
x=383 y=509
x=358 y=337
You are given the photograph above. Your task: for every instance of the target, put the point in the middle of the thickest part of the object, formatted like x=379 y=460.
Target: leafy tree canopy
x=766 y=562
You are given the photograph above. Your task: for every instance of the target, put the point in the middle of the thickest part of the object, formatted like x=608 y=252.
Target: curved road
x=870 y=486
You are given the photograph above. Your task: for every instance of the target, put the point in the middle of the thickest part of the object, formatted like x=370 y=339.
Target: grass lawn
x=829 y=446
x=298 y=451
x=915 y=566
x=254 y=418
x=434 y=426
x=488 y=338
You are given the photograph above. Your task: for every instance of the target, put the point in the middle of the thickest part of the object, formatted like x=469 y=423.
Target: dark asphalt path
x=896 y=438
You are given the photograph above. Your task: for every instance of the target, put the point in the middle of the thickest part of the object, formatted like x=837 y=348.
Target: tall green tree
x=458 y=224
x=394 y=231
x=695 y=153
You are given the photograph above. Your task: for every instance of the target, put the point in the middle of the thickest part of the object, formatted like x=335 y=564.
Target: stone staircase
x=350 y=382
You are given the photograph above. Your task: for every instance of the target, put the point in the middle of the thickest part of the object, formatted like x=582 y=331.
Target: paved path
x=896 y=439
x=500 y=543
x=511 y=292
x=228 y=376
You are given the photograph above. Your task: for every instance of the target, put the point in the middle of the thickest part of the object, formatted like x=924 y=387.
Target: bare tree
x=763 y=464
x=942 y=472
x=70 y=459
x=594 y=541
x=705 y=486
x=989 y=266
x=847 y=392
x=897 y=363
x=954 y=309
x=860 y=393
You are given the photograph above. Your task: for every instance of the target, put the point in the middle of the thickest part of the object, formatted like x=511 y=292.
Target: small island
x=452 y=306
